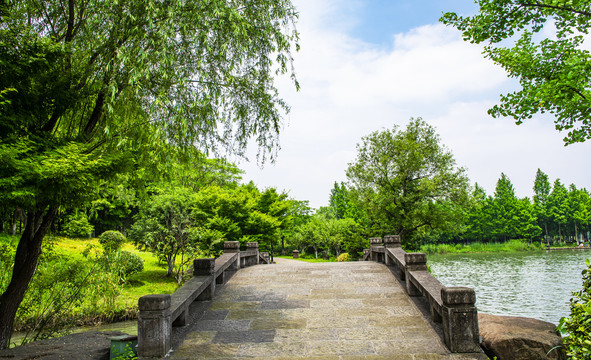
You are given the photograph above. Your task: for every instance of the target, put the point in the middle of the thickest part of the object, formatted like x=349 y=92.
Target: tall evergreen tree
x=542 y=189
x=505 y=209
x=558 y=208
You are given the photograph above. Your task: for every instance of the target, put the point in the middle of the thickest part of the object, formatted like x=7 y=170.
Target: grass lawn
x=313 y=260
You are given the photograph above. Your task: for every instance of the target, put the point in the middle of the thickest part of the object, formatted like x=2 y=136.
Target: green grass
x=308 y=259
x=478 y=247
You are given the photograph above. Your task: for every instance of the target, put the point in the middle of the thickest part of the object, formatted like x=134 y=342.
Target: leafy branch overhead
x=93 y=89
x=548 y=56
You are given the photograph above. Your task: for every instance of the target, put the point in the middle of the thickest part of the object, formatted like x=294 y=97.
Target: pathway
x=300 y=310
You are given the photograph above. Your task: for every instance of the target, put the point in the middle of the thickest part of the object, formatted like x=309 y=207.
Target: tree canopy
x=547 y=55
x=404 y=177
x=88 y=89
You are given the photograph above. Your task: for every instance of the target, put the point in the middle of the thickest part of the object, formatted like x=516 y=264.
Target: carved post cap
x=456 y=296
x=392 y=241
x=415 y=258
x=231 y=246
x=252 y=245
x=154 y=302
x=203 y=266
x=377 y=241
x=365 y=251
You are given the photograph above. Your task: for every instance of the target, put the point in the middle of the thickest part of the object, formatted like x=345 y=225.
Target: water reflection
x=537 y=284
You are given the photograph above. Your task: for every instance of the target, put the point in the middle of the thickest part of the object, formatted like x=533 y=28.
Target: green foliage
x=61 y=288
x=576 y=328
x=243 y=213
x=548 y=57
x=6 y=263
x=94 y=89
x=127 y=353
x=77 y=226
x=405 y=180
x=514 y=245
x=111 y=241
x=122 y=263
x=165 y=226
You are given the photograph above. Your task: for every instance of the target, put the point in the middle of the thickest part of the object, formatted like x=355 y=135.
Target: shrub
x=122 y=264
x=343 y=257
x=128 y=264
x=111 y=241
x=577 y=328
x=77 y=226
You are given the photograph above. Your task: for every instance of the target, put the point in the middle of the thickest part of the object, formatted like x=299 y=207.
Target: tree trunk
x=282 y=245
x=547 y=238
x=13 y=224
x=38 y=222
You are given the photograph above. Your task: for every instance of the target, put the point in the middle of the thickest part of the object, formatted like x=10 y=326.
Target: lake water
x=531 y=284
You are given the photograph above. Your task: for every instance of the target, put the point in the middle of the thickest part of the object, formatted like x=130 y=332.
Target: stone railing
x=453 y=307
x=159 y=313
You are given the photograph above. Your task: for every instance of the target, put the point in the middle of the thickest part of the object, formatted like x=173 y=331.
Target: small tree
x=165 y=227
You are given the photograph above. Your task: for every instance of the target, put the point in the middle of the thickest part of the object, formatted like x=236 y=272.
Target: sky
x=367 y=65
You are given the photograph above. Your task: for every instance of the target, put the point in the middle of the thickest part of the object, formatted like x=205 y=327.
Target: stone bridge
x=299 y=310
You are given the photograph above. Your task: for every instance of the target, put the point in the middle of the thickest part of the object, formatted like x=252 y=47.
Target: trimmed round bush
x=111 y=241
x=343 y=257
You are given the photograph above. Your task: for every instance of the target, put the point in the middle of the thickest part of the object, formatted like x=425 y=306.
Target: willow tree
x=542 y=44
x=407 y=180
x=86 y=85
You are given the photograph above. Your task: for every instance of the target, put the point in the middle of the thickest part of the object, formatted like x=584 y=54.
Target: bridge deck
x=299 y=310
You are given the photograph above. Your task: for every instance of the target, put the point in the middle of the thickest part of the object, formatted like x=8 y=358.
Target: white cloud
x=351 y=88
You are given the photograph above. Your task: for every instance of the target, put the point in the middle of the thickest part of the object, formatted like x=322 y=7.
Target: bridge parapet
x=158 y=313
x=377 y=249
x=454 y=307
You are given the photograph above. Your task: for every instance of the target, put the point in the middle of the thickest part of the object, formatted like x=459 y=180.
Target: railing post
x=460 y=319
x=414 y=262
x=374 y=244
x=253 y=246
x=390 y=242
x=154 y=326
x=233 y=247
x=205 y=267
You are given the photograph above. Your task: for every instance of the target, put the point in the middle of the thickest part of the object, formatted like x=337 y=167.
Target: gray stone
x=203 y=267
x=241 y=337
x=415 y=261
x=392 y=241
x=287 y=304
x=377 y=241
x=460 y=319
x=519 y=338
x=231 y=246
x=154 y=325
x=92 y=345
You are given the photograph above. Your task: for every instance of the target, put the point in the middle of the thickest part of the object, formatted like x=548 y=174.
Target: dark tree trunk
x=38 y=222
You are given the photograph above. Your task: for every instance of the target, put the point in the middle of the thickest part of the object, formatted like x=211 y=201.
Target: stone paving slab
x=299 y=310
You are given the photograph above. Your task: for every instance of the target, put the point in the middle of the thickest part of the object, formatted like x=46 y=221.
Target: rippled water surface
x=537 y=284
